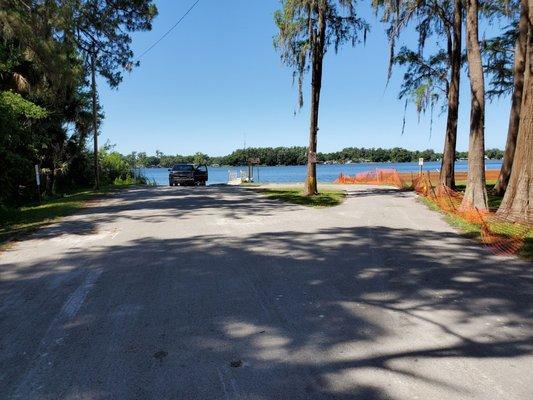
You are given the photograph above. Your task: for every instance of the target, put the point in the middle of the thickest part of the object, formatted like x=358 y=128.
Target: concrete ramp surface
x=222 y=293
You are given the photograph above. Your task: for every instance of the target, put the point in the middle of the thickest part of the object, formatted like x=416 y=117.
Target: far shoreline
x=460 y=161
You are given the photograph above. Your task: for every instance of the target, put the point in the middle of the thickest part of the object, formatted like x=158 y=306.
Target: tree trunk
x=476 y=192
x=516 y=102
x=516 y=203
x=54 y=183
x=316 y=86
x=95 y=121
x=447 y=172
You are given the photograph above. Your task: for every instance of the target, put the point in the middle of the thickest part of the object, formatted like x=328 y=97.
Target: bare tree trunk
x=316 y=86
x=476 y=192
x=517 y=200
x=95 y=121
x=447 y=172
x=516 y=102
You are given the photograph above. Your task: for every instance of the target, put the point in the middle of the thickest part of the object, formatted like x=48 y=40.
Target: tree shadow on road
x=153 y=205
x=157 y=204
x=328 y=314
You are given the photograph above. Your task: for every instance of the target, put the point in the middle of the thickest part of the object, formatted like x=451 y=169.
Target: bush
x=117 y=169
x=113 y=166
x=130 y=180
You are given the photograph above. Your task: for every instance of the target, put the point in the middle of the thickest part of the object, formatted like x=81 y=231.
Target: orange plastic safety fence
x=388 y=177
x=506 y=233
x=502 y=232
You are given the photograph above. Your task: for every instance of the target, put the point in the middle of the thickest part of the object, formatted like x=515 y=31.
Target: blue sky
x=217 y=79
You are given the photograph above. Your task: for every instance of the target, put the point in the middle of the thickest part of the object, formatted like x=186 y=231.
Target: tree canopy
x=45 y=102
x=295 y=21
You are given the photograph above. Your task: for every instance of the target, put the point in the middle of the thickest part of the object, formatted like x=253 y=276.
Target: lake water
x=297 y=173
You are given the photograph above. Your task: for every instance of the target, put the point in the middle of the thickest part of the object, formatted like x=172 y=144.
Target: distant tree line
x=297 y=155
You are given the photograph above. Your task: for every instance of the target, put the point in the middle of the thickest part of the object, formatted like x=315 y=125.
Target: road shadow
x=153 y=205
x=286 y=315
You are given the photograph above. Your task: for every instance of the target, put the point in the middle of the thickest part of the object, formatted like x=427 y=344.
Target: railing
x=232 y=176
x=238 y=177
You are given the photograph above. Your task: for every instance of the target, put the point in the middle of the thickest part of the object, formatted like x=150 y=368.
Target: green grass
x=15 y=223
x=326 y=198
x=467 y=229
x=493 y=200
x=473 y=231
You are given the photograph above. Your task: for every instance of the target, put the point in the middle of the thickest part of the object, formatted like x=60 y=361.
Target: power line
x=170 y=30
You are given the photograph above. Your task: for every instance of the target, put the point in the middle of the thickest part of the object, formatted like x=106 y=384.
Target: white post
x=38 y=181
x=37 y=177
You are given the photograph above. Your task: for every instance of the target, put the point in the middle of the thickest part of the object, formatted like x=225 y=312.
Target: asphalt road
x=220 y=293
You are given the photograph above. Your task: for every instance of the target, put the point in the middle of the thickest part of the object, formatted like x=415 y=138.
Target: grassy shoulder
x=473 y=231
x=467 y=229
x=326 y=198
x=15 y=223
